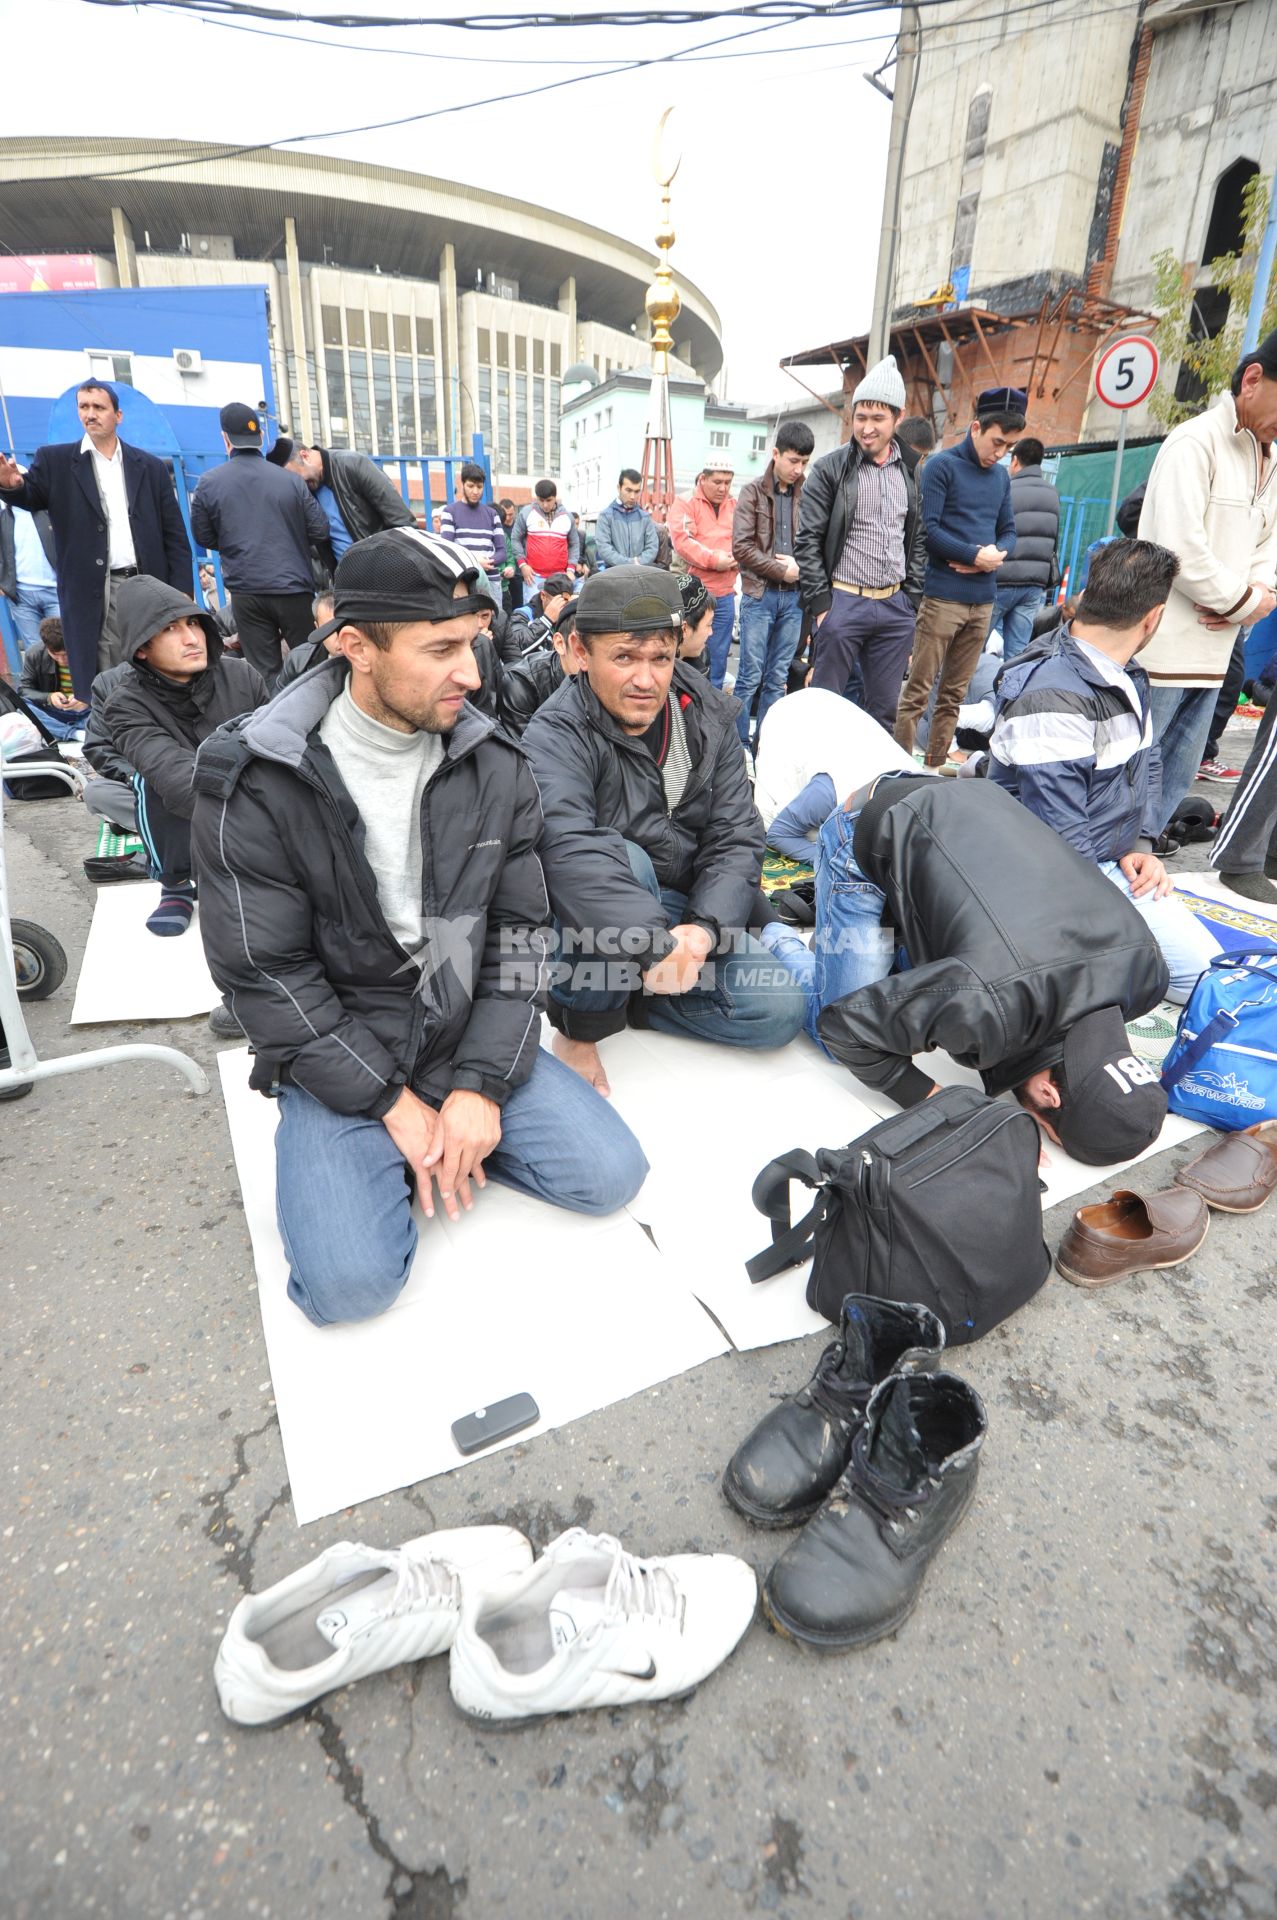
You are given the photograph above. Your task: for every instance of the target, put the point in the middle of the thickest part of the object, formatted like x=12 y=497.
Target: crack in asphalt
x=410 y=1893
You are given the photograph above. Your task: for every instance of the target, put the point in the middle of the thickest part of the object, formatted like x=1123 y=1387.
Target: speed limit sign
x=1127 y=371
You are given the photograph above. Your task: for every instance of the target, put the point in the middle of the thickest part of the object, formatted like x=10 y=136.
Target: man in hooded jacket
x=178 y=689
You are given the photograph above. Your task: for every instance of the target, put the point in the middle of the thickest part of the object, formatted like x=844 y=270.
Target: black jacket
x=367 y=501
x=99 y=749
x=296 y=938
x=8 y=547
x=829 y=501
x=61 y=479
x=527 y=686
x=1012 y=937
x=154 y=723
x=39 y=674
x=262 y=520
x=601 y=787
x=1036 y=506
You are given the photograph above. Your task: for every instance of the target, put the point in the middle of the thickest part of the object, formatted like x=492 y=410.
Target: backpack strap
x=1221 y=1023
x=791 y=1243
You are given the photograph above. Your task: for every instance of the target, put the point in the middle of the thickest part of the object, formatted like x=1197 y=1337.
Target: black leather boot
x=781 y=1473
x=855 y=1572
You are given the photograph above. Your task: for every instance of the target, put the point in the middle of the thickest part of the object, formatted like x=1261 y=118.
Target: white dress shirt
x=115 y=503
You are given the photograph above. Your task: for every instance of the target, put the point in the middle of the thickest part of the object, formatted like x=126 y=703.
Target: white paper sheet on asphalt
x=517 y=1297
x=130 y=974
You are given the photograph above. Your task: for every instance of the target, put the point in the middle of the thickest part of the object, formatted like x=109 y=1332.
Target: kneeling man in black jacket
x=374 y=909
x=173 y=690
x=1023 y=960
x=653 y=845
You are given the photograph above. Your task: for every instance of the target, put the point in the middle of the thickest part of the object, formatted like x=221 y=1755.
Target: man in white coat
x=1212 y=499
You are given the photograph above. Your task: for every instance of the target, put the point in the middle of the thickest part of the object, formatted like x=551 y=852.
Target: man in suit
x=114 y=514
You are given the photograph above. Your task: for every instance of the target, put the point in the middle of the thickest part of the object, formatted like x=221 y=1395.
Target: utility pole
x=908 y=45
x=1263 y=274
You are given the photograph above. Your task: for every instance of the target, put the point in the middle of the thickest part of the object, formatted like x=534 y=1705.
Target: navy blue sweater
x=966 y=507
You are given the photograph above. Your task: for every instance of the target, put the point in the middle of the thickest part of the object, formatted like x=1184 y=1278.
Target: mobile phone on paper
x=486 y=1425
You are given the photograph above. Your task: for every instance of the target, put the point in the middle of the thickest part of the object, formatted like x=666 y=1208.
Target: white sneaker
x=353 y=1611
x=593 y=1626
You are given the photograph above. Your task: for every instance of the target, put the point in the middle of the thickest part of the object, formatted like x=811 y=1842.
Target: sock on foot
x=1251 y=886
x=173 y=915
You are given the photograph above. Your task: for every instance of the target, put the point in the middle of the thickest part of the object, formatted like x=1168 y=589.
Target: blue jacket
x=1068 y=744
x=966 y=507
x=623 y=536
x=262 y=519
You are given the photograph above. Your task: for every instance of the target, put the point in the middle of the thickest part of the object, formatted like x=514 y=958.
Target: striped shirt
x=874 y=552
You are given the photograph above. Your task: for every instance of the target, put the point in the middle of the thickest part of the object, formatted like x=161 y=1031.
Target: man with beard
x=373 y=908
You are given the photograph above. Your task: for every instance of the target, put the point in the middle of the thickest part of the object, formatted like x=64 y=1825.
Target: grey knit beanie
x=883 y=384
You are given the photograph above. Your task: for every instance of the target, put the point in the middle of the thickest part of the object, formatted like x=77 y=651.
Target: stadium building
x=404 y=313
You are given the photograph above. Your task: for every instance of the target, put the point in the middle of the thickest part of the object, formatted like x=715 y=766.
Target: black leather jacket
x=1011 y=935
x=829 y=501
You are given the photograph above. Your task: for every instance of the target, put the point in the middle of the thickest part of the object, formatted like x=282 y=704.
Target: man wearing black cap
x=966 y=503
x=653 y=844
x=263 y=520
x=373 y=907
x=1025 y=962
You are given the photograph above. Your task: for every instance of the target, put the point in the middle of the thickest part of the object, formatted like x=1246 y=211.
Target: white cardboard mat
x=129 y=973
x=516 y=1297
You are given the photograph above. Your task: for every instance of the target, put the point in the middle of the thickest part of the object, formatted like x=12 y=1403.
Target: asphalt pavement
x=1079 y=1719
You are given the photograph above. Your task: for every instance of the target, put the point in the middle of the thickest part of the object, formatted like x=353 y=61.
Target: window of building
x=330 y=319
x=538 y=424
x=720 y=439
x=383 y=406
x=556 y=359
x=426 y=405
x=521 y=422
x=598 y=423
x=404 y=391
x=503 y=349
x=553 y=460
x=977 y=126
x=520 y=354
x=538 y=356
x=361 y=403
x=483 y=337
x=338 y=419
x=1225 y=232
x=425 y=338
x=403 y=333
x=758 y=444
x=607 y=416
x=115 y=367
x=380 y=325
x=503 y=422
x=355 y=327
x=485 y=408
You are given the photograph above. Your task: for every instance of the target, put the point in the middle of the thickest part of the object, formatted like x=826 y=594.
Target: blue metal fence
x=1082 y=520
x=410 y=473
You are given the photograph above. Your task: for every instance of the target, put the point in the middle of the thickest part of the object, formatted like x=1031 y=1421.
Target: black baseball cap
x=630 y=599
x=1113 y=1103
x=404 y=575
x=241 y=425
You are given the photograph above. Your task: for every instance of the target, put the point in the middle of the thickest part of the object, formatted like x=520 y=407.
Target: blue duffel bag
x=1222 y=1066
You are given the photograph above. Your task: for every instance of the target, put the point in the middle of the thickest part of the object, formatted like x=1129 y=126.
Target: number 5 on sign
x=1126 y=373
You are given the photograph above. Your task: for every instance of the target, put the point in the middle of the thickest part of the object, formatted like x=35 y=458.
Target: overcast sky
x=777 y=204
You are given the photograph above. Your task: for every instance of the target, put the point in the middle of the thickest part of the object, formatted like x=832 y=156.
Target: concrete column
x=304 y=423
x=468 y=367
x=449 y=351
x=321 y=361
x=567 y=305
x=125 y=251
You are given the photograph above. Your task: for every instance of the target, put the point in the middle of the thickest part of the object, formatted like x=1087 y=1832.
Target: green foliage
x=1234 y=274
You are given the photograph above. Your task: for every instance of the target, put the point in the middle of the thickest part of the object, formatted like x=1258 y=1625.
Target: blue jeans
x=744 y=999
x=851 y=948
x=1013 y=611
x=343 y=1194
x=720 y=636
x=769 y=629
x=1181 y=726
x=32 y=605
x=1187 y=946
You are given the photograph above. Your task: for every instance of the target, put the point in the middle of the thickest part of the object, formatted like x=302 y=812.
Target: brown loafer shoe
x=1132 y=1233
x=1237 y=1172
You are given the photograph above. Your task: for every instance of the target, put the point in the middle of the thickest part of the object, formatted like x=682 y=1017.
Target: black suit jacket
x=61 y=481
